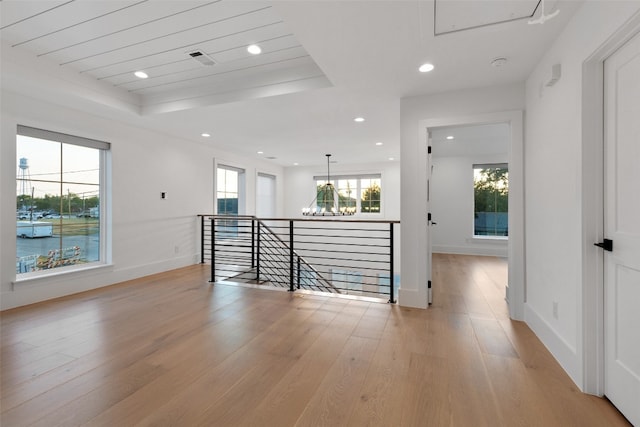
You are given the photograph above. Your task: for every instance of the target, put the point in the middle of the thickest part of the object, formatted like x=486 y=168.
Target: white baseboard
x=73 y=282
x=471 y=250
x=412 y=298
x=562 y=351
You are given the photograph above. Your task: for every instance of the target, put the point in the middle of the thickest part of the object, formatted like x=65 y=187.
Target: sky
x=80 y=166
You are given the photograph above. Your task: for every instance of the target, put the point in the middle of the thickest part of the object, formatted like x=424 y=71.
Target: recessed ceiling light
x=296 y=164
x=426 y=67
x=450 y=137
x=206 y=135
x=254 y=49
x=391 y=158
x=378 y=143
x=359 y=119
x=260 y=152
x=141 y=74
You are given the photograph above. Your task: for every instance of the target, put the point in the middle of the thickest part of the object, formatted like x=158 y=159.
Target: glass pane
x=59 y=226
x=80 y=164
x=231 y=184
x=227 y=191
x=38 y=173
x=324 y=195
x=491 y=201
x=370 y=199
x=347 y=190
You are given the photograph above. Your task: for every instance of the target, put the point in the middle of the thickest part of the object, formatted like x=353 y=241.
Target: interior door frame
x=516 y=282
x=593 y=147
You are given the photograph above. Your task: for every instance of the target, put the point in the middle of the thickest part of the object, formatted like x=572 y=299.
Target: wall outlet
x=555 y=309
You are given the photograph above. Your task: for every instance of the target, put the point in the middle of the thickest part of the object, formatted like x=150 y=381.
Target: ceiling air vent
x=202 y=57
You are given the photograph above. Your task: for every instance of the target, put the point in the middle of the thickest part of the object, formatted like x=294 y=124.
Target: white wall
x=413 y=111
x=555 y=246
x=149 y=235
x=452 y=207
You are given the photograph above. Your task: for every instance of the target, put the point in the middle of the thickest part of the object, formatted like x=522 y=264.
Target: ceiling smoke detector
x=202 y=58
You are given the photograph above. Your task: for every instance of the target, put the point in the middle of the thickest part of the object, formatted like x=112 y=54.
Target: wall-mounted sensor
x=554 y=76
x=163 y=195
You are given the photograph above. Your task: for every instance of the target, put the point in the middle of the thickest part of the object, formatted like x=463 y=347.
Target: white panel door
x=265 y=196
x=622 y=226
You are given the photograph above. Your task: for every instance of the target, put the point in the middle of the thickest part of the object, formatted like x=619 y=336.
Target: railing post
x=391 y=278
x=253 y=242
x=298 y=273
x=291 y=256
x=213 y=250
x=258 y=253
x=202 y=223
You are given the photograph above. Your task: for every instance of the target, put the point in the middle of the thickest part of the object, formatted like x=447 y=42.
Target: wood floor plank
x=172 y=349
x=288 y=397
x=518 y=394
x=379 y=404
x=331 y=404
x=492 y=338
x=426 y=394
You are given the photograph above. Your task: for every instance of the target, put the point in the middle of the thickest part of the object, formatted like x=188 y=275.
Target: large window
x=491 y=199
x=359 y=192
x=230 y=199
x=59 y=200
x=230 y=190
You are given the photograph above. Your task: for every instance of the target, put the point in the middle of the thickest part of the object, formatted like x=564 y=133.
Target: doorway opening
x=468 y=198
x=450 y=193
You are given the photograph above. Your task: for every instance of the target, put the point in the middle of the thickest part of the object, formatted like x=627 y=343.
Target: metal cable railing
x=354 y=257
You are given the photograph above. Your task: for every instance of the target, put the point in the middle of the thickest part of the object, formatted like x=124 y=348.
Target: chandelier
x=327 y=200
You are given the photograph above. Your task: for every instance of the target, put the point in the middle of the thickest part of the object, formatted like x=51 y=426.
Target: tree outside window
x=491 y=200
x=370 y=201
x=362 y=193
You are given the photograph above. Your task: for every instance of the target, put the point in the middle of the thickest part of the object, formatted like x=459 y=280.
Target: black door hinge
x=429 y=149
x=606 y=244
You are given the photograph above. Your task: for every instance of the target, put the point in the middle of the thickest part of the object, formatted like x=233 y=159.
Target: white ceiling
x=323 y=63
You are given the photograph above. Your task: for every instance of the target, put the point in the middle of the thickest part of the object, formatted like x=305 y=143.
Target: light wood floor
x=171 y=349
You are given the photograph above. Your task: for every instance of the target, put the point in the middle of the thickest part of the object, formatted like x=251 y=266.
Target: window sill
x=42 y=277
x=485 y=239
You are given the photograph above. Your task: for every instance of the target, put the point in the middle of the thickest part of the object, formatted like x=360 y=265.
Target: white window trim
x=479 y=237
x=242 y=191
x=105 y=258
x=358 y=177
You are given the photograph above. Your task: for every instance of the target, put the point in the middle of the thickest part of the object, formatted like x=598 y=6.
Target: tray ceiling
x=110 y=40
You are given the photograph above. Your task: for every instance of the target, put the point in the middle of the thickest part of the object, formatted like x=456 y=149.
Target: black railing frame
x=295 y=260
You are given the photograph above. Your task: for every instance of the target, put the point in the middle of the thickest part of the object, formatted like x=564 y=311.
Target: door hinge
x=429 y=284
x=429 y=149
x=429 y=216
x=606 y=244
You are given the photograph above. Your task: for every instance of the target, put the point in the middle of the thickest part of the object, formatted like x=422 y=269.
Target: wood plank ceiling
x=110 y=40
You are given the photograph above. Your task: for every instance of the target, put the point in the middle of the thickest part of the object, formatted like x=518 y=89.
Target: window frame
x=493 y=165
x=321 y=180
x=104 y=162
x=241 y=191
